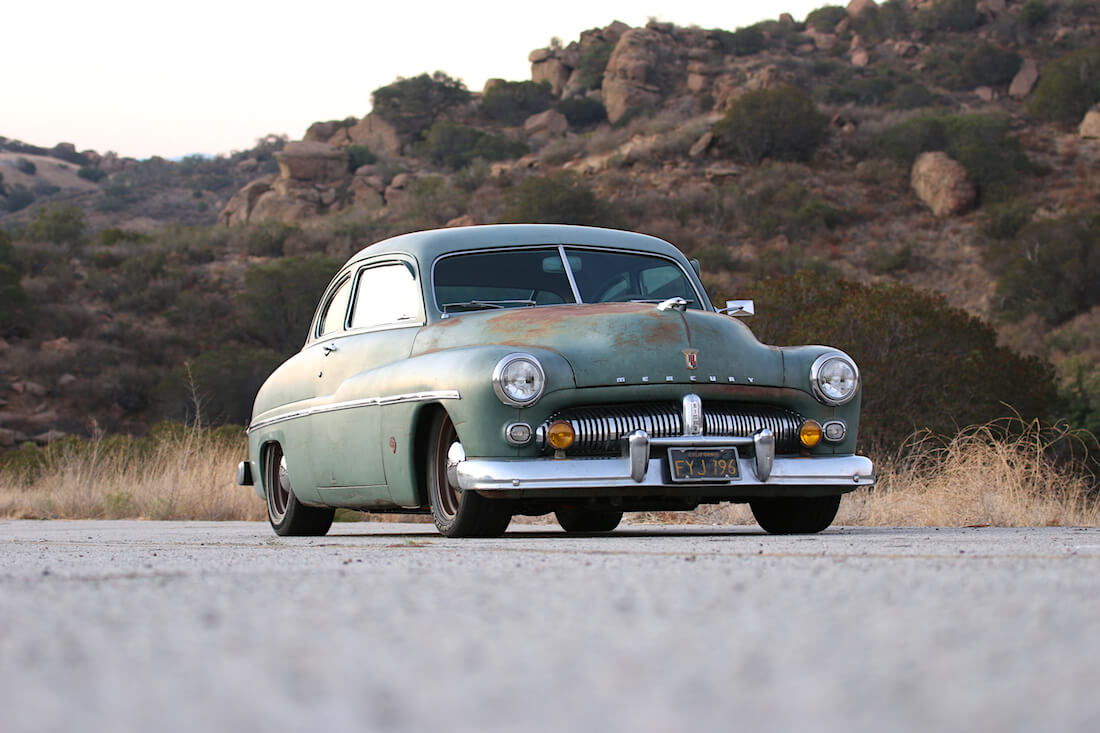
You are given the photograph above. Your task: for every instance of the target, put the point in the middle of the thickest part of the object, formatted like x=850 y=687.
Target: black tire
x=588 y=520
x=458 y=513
x=795 y=515
x=288 y=516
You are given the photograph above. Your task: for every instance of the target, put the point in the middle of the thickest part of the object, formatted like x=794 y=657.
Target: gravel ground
x=196 y=626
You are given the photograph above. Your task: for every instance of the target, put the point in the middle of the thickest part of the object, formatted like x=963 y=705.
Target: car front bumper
x=640 y=471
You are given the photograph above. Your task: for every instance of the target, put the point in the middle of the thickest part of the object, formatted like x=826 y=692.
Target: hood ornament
x=673 y=304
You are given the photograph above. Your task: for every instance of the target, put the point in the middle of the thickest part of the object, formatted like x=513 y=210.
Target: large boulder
x=545 y=125
x=546 y=66
x=629 y=81
x=942 y=184
x=377 y=134
x=279 y=207
x=855 y=7
x=241 y=204
x=1025 y=79
x=1090 y=125
x=312 y=162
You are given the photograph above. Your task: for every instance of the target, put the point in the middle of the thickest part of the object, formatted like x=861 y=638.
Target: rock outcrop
x=1090 y=125
x=942 y=184
x=1025 y=79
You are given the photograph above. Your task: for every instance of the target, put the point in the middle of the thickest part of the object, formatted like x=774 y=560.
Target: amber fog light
x=810 y=433
x=560 y=435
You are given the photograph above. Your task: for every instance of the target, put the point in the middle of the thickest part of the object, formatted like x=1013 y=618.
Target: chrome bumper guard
x=638 y=468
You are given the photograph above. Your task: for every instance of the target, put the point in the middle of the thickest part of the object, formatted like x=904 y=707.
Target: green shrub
x=107 y=237
x=994 y=159
x=7 y=252
x=557 y=199
x=911 y=96
x=582 y=112
x=1034 y=13
x=16 y=312
x=888 y=20
x=223 y=383
x=1051 y=268
x=91 y=173
x=771 y=203
x=1068 y=87
x=413 y=105
x=1005 y=221
x=781 y=124
x=512 y=102
x=18 y=197
x=455 y=146
x=593 y=63
x=268 y=238
x=741 y=42
x=59 y=224
x=864 y=91
x=25 y=166
x=923 y=363
x=966 y=65
x=950 y=15
x=359 y=155
x=280 y=297
x=826 y=18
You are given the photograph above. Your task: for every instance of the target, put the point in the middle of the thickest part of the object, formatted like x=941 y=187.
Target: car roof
x=427 y=245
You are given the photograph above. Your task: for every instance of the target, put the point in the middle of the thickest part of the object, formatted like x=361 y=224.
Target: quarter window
x=386 y=294
x=336 y=309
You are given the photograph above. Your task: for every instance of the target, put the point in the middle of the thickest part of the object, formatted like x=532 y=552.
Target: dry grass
x=182 y=473
x=998 y=474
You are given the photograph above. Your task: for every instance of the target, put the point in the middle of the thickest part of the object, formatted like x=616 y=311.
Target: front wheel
x=458 y=513
x=288 y=516
x=795 y=515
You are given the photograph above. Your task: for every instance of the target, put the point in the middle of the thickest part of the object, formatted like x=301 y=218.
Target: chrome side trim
x=445 y=394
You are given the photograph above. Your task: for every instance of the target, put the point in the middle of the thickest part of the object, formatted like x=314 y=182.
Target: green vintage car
x=480 y=373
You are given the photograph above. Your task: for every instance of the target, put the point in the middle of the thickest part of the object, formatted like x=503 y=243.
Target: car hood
x=617 y=343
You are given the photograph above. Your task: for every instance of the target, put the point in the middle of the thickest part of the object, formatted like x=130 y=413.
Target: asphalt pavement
x=205 y=626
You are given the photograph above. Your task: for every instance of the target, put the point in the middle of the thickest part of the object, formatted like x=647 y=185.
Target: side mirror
x=739 y=308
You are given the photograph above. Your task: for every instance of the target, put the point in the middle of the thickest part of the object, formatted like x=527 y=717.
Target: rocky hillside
x=948 y=145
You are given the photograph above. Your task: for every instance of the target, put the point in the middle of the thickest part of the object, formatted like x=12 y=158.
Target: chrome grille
x=600 y=428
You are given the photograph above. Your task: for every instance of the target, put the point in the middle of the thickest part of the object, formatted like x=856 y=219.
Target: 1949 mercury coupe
x=484 y=372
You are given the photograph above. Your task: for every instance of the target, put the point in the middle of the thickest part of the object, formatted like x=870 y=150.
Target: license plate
x=703 y=464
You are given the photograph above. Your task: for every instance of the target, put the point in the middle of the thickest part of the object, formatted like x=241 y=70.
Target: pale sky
x=146 y=78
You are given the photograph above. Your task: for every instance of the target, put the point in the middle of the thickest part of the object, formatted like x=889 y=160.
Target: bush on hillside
x=1050 y=268
x=25 y=166
x=888 y=20
x=557 y=199
x=280 y=297
x=924 y=364
x=59 y=224
x=593 y=63
x=16 y=312
x=994 y=159
x=967 y=65
x=455 y=146
x=1068 y=87
x=825 y=18
x=217 y=386
x=911 y=96
x=359 y=155
x=17 y=198
x=512 y=102
x=781 y=124
x=1034 y=13
x=741 y=42
x=267 y=238
x=582 y=112
x=950 y=15
x=413 y=105
x=91 y=173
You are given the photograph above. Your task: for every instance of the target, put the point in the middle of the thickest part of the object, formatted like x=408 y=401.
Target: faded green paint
x=592 y=354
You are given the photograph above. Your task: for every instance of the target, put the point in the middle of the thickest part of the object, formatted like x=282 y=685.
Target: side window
x=336 y=309
x=386 y=294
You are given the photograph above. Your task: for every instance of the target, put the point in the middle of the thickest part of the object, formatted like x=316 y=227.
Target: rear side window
x=386 y=294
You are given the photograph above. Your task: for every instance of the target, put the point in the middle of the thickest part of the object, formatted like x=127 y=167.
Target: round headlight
x=518 y=380
x=834 y=378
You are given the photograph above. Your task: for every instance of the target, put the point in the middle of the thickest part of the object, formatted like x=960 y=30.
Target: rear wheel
x=458 y=513
x=795 y=515
x=588 y=520
x=288 y=516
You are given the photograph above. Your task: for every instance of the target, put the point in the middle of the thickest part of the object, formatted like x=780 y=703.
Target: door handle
x=329 y=348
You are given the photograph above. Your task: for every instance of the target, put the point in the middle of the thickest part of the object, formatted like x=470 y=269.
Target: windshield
x=538 y=276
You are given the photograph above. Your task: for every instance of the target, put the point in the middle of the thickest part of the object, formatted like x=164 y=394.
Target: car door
x=356 y=376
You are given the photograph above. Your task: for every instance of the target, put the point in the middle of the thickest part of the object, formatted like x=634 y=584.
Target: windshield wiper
x=486 y=304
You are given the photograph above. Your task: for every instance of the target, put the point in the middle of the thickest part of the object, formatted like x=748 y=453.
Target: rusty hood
x=617 y=343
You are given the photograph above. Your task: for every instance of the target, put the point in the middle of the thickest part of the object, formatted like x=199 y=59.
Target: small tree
x=1068 y=87
x=16 y=311
x=59 y=224
x=412 y=105
x=512 y=102
x=456 y=146
x=556 y=199
x=781 y=124
x=280 y=298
